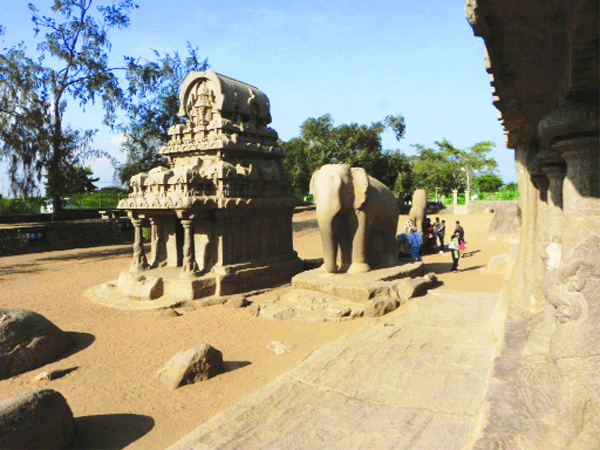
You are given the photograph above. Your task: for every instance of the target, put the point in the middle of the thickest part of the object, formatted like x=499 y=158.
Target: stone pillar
x=572 y=131
x=580 y=188
x=541 y=183
x=189 y=265
x=521 y=286
x=467 y=196
x=140 y=263
x=455 y=197
x=554 y=224
x=159 y=245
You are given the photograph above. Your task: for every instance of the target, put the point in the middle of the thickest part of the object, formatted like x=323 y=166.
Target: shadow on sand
x=305 y=225
x=230 y=366
x=110 y=431
x=446 y=267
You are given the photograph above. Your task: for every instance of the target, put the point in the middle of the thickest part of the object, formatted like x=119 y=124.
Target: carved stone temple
x=543 y=60
x=221 y=213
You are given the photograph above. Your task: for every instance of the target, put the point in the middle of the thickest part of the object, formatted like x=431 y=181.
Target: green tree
x=296 y=164
x=487 y=183
x=447 y=168
x=154 y=88
x=77 y=180
x=73 y=64
x=321 y=142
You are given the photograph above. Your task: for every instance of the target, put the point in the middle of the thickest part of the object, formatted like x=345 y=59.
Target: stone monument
x=221 y=213
x=542 y=58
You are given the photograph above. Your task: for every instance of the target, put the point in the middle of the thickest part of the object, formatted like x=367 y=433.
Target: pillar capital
x=568 y=120
x=578 y=148
x=554 y=171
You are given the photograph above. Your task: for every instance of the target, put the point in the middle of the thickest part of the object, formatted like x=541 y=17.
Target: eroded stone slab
x=358 y=288
x=416 y=382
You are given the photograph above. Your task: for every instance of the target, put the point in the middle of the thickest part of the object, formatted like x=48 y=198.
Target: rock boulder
x=39 y=419
x=194 y=364
x=28 y=340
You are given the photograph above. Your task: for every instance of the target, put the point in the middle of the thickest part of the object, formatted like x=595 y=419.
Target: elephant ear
x=360 y=180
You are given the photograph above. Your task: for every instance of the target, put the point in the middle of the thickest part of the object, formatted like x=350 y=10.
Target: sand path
x=113 y=397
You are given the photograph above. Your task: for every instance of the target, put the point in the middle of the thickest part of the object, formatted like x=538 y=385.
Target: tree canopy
x=487 y=183
x=320 y=142
x=72 y=63
x=447 y=168
x=78 y=180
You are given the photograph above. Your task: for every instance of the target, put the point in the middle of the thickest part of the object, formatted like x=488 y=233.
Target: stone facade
x=542 y=57
x=222 y=211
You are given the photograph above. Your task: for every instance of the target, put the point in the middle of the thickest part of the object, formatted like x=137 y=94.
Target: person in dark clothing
x=440 y=233
x=461 y=238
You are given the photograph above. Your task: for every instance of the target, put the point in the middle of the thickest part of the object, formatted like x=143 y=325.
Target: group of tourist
x=412 y=240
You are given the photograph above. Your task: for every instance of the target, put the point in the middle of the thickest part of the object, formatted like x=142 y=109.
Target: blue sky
x=358 y=61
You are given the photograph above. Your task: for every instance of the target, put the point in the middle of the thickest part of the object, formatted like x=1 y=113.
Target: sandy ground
x=111 y=390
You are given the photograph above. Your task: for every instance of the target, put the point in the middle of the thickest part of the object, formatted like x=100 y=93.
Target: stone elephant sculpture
x=418 y=209
x=358 y=215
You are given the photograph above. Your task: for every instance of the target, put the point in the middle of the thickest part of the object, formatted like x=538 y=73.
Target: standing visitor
x=441 y=232
x=416 y=240
x=454 y=250
x=461 y=237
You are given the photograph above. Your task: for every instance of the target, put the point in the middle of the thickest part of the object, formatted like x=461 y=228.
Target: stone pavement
x=416 y=379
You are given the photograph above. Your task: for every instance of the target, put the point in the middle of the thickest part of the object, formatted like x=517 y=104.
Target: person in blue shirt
x=416 y=240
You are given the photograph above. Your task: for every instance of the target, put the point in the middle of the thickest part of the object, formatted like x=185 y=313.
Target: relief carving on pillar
x=547 y=389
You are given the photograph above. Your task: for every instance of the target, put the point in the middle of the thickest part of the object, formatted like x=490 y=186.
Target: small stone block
x=194 y=364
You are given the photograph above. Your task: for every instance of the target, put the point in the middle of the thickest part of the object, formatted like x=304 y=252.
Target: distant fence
x=502 y=195
x=88 y=200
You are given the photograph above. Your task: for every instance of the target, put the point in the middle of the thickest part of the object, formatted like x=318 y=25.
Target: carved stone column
x=553 y=167
x=580 y=190
x=140 y=263
x=454 y=197
x=521 y=285
x=189 y=265
x=159 y=245
x=573 y=132
x=541 y=183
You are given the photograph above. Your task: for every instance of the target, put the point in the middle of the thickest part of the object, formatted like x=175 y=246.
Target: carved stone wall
x=542 y=57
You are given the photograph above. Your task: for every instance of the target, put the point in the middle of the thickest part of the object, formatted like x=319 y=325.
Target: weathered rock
x=28 y=340
x=194 y=364
x=500 y=264
x=237 y=301
x=506 y=223
x=167 y=312
x=279 y=348
x=286 y=314
x=254 y=309
x=140 y=286
x=411 y=287
x=380 y=306
x=39 y=419
x=53 y=374
x=340 y=311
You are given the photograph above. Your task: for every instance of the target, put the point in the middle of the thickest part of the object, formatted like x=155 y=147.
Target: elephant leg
x=391 y=247
x=359 y=245
x=347 y=230
x=346 y=254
